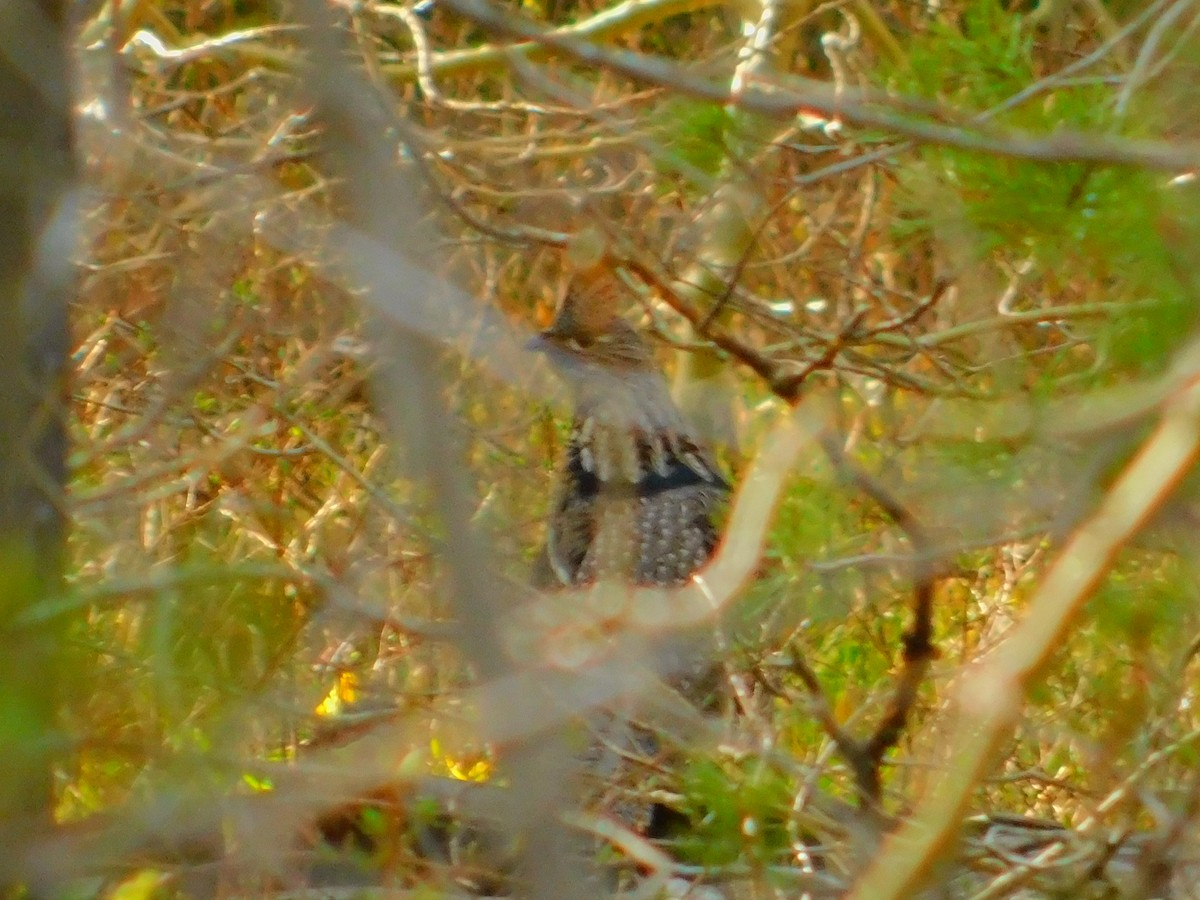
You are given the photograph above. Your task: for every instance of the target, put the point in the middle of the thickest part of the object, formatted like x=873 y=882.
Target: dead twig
x=992 y=697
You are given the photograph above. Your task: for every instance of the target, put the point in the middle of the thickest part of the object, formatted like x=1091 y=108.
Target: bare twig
x=619 y=19
x=991 y=698
x=858 y=107
x=919 y=650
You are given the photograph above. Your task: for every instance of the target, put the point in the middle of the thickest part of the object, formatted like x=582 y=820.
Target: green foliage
x=222 y=636
x=737 y=811
x=1095 y=230
x=187 y=479
x=1146 y=594
x=691 y=137
x=976 y=63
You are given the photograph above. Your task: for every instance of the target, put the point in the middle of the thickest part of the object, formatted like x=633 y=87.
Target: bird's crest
x=589 y=305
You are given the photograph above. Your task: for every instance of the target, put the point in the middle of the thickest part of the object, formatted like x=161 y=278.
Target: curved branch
x=863 y=108
x=623 y=18
x=991 y=698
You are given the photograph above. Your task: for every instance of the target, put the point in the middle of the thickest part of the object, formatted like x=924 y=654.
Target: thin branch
x=620 y=19
x=919 y=650
x=864 y=769
x=866 y=758
x=991 y=699
x=863 y=108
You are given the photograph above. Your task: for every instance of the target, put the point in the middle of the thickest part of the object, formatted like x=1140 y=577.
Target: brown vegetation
x=923 y=274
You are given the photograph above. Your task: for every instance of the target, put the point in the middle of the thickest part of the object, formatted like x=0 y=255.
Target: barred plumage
x=636 y=496
x=638 y=489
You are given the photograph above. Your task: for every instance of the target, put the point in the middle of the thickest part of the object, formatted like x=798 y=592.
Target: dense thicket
x=928 y=269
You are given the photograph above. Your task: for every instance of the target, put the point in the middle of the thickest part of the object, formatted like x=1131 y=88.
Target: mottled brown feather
x=635 y=501
x=637 y=490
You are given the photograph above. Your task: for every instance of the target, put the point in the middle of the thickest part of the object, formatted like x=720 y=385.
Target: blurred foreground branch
x=38 y=208
x=992 y=696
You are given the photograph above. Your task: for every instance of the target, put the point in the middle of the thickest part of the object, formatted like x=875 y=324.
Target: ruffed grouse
x=635 y=500
x=638 y=490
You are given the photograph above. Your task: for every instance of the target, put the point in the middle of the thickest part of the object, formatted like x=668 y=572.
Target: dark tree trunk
x=37 y=231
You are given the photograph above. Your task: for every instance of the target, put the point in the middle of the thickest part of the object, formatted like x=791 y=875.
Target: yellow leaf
x=261 y=785
x=464 y=770
x=143 y=885
x=348 y=687
x=343 y=693
x=331 y=705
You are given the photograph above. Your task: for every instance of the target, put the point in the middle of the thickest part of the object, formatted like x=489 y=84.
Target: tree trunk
x=36 y=247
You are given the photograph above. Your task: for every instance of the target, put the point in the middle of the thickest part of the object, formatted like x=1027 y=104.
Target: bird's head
x=587 y=332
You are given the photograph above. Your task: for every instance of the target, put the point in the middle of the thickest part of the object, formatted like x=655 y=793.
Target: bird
x=637 y=490
x=636 y=500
